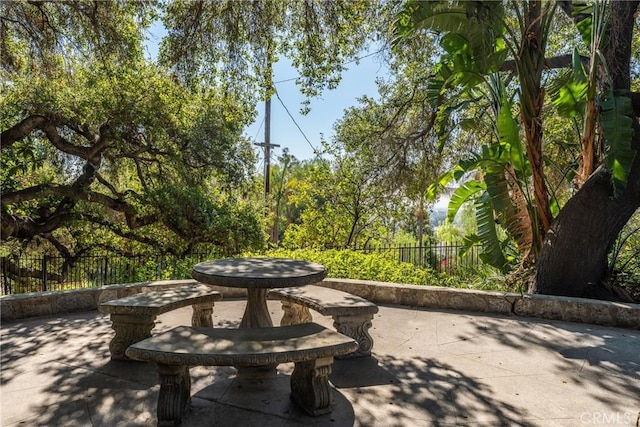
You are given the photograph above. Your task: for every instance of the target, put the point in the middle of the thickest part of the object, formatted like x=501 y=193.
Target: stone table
x=258 y=275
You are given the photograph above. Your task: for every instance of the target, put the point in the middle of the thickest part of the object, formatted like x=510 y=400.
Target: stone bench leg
x=129 y=329
x=310 y=387
x=202 y=315
x=356 y=327
x=175 y=394
x=295 y=314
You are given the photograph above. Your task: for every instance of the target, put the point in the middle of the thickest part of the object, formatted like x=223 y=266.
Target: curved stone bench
x=133 y=317
x=352 y=315
x=310 y=346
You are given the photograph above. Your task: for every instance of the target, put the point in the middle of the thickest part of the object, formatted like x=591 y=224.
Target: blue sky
x=357 y=81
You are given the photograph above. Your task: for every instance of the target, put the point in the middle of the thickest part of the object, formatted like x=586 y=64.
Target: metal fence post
x=106 y=267
x=5 y=276
x=44 y=272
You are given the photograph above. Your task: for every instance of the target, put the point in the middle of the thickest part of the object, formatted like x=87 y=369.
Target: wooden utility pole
x=267 y=145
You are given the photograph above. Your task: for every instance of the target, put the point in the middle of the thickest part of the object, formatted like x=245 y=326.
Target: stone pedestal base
x=129 y=329
x=294 y=314
x=256 y=313
x=355 y=326
x=202 y=315
x=175 y=394
x=310 y=387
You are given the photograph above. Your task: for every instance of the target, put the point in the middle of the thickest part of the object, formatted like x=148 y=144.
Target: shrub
x=348 y=264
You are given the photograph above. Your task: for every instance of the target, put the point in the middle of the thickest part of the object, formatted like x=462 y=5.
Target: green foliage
x=584 y=26
x=204 y=218
x=569 y=94
x=166 y=267
x=235 y=43
x=348 y=264
x=404 y=238
x=384 y=267
x=122 y=158
x=505 y=171
x=37 y=32
x=448 y=232
x=618 y=132
x=471 y=37
x=336 y=204
x=488 y=235
x=461 y=195
x=475 y=41
x=624 y=259
x=471 y=34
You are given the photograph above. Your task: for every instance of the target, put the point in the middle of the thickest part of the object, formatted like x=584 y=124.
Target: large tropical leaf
x=441 y=15
x=584 y=8
x=618 y=131
x=461 y=195
x=568 y=95
x=488 y=235
x=498 y=190
x=479 y=23
x=509 y=134
x=469 y=241
x=443 y=181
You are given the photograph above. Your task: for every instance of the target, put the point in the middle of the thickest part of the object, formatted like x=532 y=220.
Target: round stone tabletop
x=258 y=272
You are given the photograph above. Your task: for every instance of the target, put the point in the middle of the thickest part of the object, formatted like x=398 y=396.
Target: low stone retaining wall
x=13 y=307
x=624 y=315
x=36 y=304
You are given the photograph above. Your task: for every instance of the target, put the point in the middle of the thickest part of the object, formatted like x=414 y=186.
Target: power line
x=259 y=128
x=346 y=63
x=315 y=151
x=286 y=80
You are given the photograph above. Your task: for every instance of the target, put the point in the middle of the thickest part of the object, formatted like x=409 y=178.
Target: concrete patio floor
x=429 y=368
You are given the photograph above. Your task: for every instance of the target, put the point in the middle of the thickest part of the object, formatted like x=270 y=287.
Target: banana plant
x=473 y=42
x=475 y=39
x=500 y=188
x=576 y=93
x=616 y=113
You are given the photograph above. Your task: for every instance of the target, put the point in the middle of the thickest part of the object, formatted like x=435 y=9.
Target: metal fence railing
x=52 y=273
x=442 y=257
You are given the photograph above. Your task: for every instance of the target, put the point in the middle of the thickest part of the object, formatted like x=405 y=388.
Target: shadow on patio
x=429 y=367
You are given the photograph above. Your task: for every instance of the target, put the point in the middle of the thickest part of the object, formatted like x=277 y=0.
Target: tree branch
x=562 y=61
x=21 y=130
x=48 y=126
x=72 y=192
x=25 y=227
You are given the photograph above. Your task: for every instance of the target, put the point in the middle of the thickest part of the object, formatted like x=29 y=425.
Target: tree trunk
x=531 y=58
x=573 y=260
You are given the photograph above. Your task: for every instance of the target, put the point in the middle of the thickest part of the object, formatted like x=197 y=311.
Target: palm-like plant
x=500 y=189
x=476 y=41
x=476 y=38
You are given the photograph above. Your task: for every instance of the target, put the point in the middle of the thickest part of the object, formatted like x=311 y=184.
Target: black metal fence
x=442 y=257
x=54 y=273
x=51 y=273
